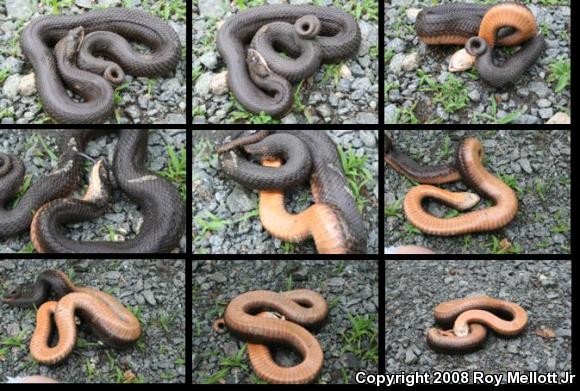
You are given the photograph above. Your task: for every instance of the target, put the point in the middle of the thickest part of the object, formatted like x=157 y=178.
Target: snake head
x=71 y=43
x=12 y=295
x=257 y=64
x=77 y=35
x=99 y=190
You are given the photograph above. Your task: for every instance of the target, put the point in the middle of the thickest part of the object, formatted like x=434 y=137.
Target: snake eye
x=12 y=294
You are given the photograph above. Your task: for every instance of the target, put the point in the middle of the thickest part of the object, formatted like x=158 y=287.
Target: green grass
x=511 y=181
x=170 y=8
x=209 y=222
x=216 y=377
x=165 y=321
x=176 y=170
x=357 y=175
x=361 y=339
x=451 y=94
x=117 y=94
x=17 y=341
x=245 y=4
x=198 y=111
x=238 y=360
x=503 y=246
x=59 y=5
x=406 y=115
x=288 y=247
x=331 y=71
x=7 y=113
x=561 y=227
x=560 y=74
x=4 y=73
x=394 y=209
x=446 y=151
x=374 y=51
x=493 y=118
x=12 y=48
x=360 y=9
x=241 y=115
x=196 y=73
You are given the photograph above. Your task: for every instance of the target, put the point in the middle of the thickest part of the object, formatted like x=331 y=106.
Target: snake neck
x=33 y=295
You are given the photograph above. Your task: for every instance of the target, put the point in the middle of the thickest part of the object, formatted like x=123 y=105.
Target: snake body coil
x=108 y=318
x=44 y=210
x=299 y=308
x=480 y=29
x=59 y=183
x=262 y=89
x=160 y=201
x=468 y=317
x=338 y=226
x=41 y=34
x=469 y=168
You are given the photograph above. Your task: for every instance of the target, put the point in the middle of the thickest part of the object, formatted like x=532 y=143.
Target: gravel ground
x=345 y=93
x=123 y=219
x=538 y=161
x=532 y=100
x=542 y=288
x=235 y=229
x=349 y=287
x=158 y=100
x=153 y=288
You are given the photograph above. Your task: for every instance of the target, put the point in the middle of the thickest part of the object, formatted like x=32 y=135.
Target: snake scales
x=469 y=168
x=480 y=28
x=250 y=316
x=468 y=317
x=160 y=202
x=114 y=324
x=320 y=35
x=334 y=220
x=43 y=33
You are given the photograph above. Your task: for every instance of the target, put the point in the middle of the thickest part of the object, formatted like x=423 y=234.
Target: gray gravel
x=353 y=98
x=542 y=288
x=349 y=287
x=533 y=96
x=229 y=202
x=155 y=288
x=538 y=160
x=159 y=100
x=123 y=218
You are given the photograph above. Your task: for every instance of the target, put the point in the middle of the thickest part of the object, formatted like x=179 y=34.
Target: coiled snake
x=480 y=29
x=468 y=167
x=259 y=77
x=114 y=324
x=43 y=33
x=334 y=220
x=161 y=204
x=468 y=317
x=270 y=318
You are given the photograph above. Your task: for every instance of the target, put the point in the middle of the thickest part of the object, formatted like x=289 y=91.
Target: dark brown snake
x=161 y=205
x=43 y=33
x=114 y=324
x=309 y=155
x=251 y=77
x=480 y=28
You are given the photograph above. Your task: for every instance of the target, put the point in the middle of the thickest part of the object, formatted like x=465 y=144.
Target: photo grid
x=331 y=192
